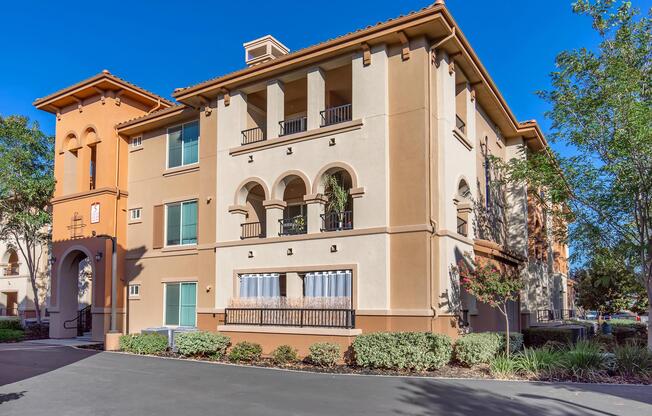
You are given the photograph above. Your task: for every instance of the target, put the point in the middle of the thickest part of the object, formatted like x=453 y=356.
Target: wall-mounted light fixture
x=289 y=151
x=289 y=252
x=250 y=254
x=53 y=259
x=251 y=159
x=98 y=256
x=334 y=248
x=331 y=142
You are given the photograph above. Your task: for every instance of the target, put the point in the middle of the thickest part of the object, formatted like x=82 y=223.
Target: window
x=180 y=304
x=183 y=145
x=137 y=141
x=134 y=290
x=181 y=223
x=263 y=285
x=135 y=214
x=328 y=284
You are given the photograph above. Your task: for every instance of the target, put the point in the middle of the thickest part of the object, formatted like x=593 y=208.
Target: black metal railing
x=337 y=221
x=293 y=125
x=460 y=124
x=335 y=115
x=253 y=135
x=8 y=311
x=11 y=270
x=316 y=318
x=462 y=226
x=550 y=315
x=83 y=321
x=293 y=225
x=251 y=230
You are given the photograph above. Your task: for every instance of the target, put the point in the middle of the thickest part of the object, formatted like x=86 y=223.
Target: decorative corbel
x=206 y=103
x=451 y=68
x=118 y=97
x=102 y=95
x=366 y=54
x=405 y=42
x=58 y=112
x=80 y=103
x=472 y=94
x=227 y=96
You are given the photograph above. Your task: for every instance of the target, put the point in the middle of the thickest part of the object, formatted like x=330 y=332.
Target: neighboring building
x=16 y=292
x=222 y=204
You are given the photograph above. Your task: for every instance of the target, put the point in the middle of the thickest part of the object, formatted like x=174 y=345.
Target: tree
x=492 y=284
x=601 y=109
x=26 y=187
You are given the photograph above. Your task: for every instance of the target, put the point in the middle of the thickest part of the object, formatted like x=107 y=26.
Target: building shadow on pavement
x=21 y=361
x=639 y=393
x=455 y=399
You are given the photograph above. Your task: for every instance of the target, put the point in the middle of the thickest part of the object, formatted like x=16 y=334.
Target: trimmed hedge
x=482 y=347
x=536 y=337
x=144 y=343
x=402 y=350
x=201 y=344
x=324 y=354
x=10 y=324
x=245 y=351
x=11 y=335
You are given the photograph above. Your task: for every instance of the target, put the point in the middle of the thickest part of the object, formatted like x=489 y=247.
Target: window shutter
x=159 y=226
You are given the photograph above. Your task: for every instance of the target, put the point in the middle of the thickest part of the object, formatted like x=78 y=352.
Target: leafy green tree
x=491 y=284
x=601 y=110
x=26 y=187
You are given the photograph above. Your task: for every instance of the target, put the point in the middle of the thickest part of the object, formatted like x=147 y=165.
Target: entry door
x=188 y=303
x=12 y=303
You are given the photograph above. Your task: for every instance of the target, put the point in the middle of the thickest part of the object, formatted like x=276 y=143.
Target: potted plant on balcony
x=298 y=224
x=338 y=196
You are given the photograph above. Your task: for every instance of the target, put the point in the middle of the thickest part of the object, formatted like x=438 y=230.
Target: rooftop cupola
x=263 y=49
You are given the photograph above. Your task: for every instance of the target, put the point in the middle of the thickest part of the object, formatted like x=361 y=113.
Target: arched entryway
x=75 y=293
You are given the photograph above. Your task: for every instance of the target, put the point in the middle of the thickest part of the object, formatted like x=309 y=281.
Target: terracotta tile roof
x=181 y=91
x=106 y=75
x=153 y=114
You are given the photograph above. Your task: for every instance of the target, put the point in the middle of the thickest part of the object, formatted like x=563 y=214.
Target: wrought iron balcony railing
x=293 y=226
x=251 y=230
x=337 y=221
x=293 y=125
x=253 y=135
x=316 y=318
x=335 y=115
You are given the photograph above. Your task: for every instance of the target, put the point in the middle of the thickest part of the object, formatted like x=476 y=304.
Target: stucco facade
x=401 y=115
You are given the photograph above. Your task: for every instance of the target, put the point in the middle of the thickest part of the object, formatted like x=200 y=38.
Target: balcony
x=314 y=318
x=11 y=270
x=251 y=230
x=337 y=221
x=336 y=115
x=293 y=225
x=293 y=125
x=253 y=135
x=462 y=227
x=550 y=315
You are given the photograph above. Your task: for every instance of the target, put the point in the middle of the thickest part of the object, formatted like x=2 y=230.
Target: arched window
x=11 y=263
x=295 y=214
x=463 y=208
x=338 y=210
x=70 y=164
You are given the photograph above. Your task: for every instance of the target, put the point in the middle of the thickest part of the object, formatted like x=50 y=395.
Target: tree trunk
x=649 y=327
x=505 y=314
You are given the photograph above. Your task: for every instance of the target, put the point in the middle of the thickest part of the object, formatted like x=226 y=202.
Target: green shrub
x=11 y=335
x=515 y=341
x=536 y=337
x=632 y=360
x=10 y=324
x=584 y=360
x=502 y=367
x=626 y=333
x=245 y=351
x=537 y=361
x=144 y=343
x=607 y=341
x=201 y=344
x=324 y=354
x=478 y=348
x=284 y=354
x=587 y=325
x=402 y=350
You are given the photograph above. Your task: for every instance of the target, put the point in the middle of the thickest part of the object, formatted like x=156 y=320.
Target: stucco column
x=516 y=196
x=370 y=86
x=275 y=107
x=294 y=286
x=316 y=97
x=315 y=207
x=274 y=211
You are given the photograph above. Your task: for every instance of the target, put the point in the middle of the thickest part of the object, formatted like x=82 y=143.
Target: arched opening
x=463 y=207
x=75 y=280
x=338 y=209
x=295 y=214
x=11 y=263
x=70 y=162
x=253 y=195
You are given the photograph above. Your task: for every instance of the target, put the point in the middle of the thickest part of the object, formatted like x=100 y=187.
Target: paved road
x=39 y=380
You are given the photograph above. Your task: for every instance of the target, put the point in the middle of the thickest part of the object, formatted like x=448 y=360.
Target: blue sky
x=161 y=45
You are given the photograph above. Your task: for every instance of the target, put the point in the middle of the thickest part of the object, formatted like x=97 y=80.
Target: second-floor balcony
x=251 y=230
x=253 y=135
x=11 y=270
x=337 y=221
x=460 y=124
x=336 y=115
x=293 y=125
x=293 y=225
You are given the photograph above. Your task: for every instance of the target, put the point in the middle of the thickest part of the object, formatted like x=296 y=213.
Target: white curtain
x=262 y=285
x=328 y=284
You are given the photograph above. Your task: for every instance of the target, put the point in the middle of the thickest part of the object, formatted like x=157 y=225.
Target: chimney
x=263 y=49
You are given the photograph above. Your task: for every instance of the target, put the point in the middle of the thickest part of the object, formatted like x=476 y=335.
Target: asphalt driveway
x=44 y=380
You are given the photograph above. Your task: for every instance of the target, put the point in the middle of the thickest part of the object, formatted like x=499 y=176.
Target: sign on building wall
x=95 y=213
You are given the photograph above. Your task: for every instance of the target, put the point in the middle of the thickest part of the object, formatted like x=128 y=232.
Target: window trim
x=132 y=142
x=140 y=214
x=165 y=224
x=134 y=295
x=165 y=291
x=167 y=145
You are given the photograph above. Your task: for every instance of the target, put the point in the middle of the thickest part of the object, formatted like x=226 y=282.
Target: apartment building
x=313 y=195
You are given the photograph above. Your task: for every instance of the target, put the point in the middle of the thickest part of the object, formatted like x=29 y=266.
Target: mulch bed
x=448 y=371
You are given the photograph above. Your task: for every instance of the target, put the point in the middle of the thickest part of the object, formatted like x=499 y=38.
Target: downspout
x=431 y=180
x=114 y=255
x=158 y=105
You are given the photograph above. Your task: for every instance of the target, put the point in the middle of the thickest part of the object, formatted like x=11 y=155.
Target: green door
x=188 y=303
x=172 y=304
